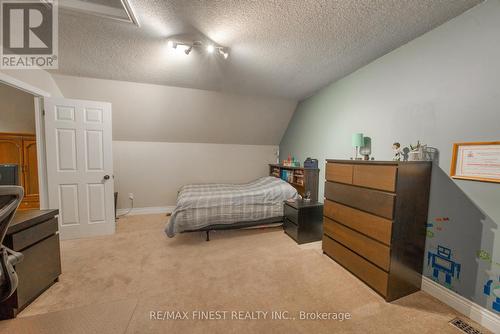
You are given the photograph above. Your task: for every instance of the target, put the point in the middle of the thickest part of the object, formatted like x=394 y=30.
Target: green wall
x=441 y=88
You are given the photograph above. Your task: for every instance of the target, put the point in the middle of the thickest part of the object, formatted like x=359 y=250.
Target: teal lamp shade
x=357 y=140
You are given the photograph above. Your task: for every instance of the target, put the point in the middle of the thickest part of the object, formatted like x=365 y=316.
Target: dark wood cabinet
x=303 y=221
x=375 y=214
x=34 y=233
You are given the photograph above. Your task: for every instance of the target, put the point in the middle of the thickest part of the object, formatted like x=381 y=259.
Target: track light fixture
x=209 y=48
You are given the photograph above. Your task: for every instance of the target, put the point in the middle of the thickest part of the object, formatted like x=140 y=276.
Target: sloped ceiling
x=155 y=113
x=287 y=48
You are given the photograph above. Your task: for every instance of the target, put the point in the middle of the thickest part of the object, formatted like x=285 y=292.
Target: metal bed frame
x=236 y=226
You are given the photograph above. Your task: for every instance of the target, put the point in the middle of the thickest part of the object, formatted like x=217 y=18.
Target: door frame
x=38 y=95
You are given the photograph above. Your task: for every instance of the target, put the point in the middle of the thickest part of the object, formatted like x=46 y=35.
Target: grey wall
x=155 y=171
x=17 y=110
x=441 y=88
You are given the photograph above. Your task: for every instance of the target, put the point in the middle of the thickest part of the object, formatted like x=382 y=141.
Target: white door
x=80 y=166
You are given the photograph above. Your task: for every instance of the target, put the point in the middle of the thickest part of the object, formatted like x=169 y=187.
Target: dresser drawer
x=371 y=225
x=39 y=269
x=377 y=177
x=367 y=272
x=30 y=236
x=292 y=214
x=368 y=248
x=339 y=172
x=373 y=201
x=291 y=229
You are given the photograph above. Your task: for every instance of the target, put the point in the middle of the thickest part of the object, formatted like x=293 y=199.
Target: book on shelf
x=303 y=179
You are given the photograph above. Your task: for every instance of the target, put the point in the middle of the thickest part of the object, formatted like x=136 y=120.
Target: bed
x=206 y=207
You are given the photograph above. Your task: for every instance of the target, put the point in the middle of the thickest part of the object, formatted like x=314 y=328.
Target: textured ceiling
x=280 y=48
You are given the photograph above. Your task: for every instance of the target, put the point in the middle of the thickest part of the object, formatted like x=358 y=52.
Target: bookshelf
x=302 y=179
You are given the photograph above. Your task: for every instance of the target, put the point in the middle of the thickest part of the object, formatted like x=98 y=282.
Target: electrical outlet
x=131 y=196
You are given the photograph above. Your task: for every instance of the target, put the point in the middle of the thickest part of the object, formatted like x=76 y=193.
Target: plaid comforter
x=202 y=205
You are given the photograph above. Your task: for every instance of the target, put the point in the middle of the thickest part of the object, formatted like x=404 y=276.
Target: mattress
x=202 y=205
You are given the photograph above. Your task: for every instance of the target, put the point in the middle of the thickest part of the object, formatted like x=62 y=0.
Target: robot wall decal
x=442 y=262
x=492 y=288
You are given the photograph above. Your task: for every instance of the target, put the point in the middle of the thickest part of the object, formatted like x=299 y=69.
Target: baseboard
x=146 y=210
x=479 y=314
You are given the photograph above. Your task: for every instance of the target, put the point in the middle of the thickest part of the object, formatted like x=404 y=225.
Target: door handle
x=106 y=177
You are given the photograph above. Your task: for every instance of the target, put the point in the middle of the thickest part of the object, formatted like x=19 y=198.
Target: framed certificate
x=478 y=161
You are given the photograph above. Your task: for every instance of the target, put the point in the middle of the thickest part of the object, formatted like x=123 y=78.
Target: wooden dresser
x=375 y=214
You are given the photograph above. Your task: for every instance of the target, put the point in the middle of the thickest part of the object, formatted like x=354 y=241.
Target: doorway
x=73 y=151
x=19 y=156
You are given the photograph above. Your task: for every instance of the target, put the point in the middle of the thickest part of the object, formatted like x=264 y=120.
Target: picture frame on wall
x=476 y=161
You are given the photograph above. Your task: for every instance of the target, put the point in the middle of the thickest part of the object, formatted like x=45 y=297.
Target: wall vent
x=464 y=326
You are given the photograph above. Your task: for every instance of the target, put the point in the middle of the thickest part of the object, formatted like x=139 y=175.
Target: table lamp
x=357 y=142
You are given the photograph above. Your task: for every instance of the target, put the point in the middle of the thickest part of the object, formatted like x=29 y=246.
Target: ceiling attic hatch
x=119 y=10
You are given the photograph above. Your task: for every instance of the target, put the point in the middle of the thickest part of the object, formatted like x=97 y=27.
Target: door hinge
x=43 y=112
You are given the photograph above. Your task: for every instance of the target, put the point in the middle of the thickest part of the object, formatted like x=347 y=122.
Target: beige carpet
x=112 y=284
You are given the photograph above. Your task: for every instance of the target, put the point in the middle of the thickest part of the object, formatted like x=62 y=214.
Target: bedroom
x=149 y=98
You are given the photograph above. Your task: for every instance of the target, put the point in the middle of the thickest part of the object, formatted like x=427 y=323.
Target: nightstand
x=303 y=221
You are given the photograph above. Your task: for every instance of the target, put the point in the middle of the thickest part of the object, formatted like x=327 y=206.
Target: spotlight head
x=188 y=50
x=210 y=48
x=223 y=52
